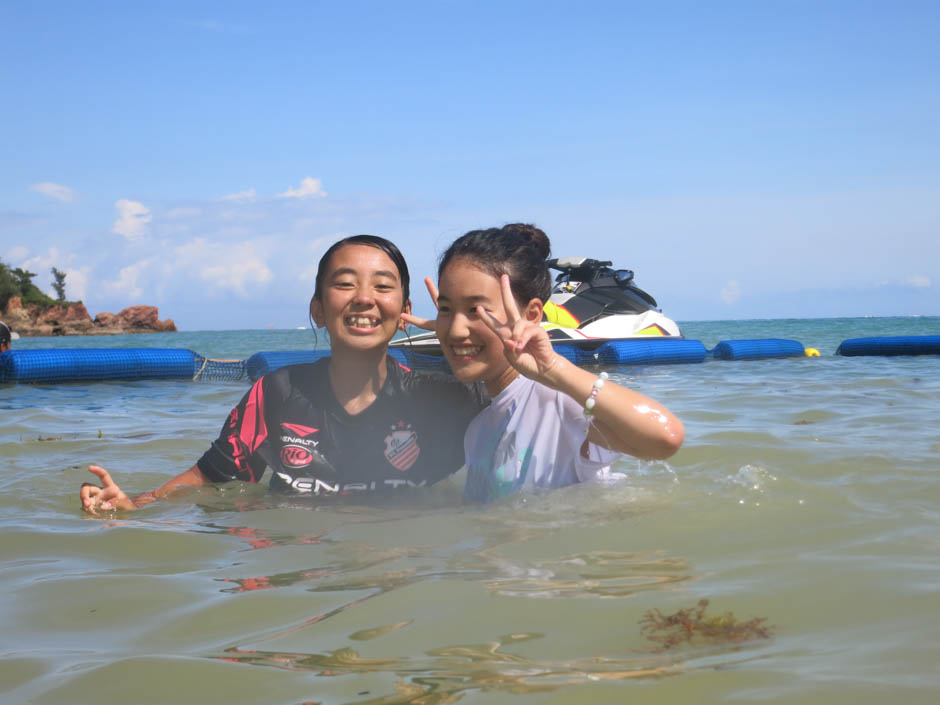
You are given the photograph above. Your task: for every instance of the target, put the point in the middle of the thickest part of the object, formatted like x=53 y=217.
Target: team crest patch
x=401 y=446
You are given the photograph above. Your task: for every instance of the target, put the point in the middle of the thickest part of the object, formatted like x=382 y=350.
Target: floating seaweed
x=692 y=624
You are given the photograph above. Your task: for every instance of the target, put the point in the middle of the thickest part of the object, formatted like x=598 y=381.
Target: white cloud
x=133 y=219
x=918 y=281
x=309 y=188
x=56 y=191
x=731 y=292
x=182 y=212
x=76 y=283
x=18 y=253
x=128 y=284
x=226 y=266
x=43 y=263
x=248 y=196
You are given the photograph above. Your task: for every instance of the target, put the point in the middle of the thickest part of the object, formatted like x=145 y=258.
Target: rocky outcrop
x=74 y=319
x=134 y=319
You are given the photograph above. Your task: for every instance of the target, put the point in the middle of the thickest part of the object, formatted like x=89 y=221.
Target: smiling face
x=361 y=301
x=474 y=351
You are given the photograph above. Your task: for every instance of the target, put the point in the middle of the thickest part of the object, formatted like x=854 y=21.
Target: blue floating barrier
x=899 y=345
x=438 y=363
x=658 y=351
x=574 y=354
x=91 y=364
x=399 y=355
x=758 y=349
x=420 y=361
x=262 y=363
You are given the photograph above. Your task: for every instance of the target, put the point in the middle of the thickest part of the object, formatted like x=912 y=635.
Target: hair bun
x=534 y=236
x=516 y=249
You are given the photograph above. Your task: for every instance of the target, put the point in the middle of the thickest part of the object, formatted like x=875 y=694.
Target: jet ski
x=591 y=303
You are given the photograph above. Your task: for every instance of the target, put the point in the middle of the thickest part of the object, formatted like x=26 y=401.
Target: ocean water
x=804 y=508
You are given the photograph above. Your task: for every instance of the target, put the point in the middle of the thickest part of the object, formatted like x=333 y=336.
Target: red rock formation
x=74 y=319
x=104 y=319
x=144 y=318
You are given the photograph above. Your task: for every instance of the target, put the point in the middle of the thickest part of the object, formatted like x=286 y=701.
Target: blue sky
x=746 y=160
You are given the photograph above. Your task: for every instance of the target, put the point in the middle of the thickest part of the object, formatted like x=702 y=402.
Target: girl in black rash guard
x=356 y=421
x=291 y=423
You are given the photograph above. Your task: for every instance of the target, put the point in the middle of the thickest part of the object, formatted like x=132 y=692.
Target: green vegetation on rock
x=19 y=282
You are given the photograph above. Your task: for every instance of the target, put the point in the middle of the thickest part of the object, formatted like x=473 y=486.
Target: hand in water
x=108 y=496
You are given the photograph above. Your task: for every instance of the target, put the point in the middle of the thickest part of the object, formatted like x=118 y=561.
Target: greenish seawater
x=807 y=495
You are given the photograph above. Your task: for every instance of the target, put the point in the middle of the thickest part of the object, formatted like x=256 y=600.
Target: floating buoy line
x=100 y=364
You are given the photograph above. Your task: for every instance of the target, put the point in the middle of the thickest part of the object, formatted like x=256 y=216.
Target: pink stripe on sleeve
x=254 y=430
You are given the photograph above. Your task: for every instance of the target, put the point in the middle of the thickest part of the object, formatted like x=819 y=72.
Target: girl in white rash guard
x=550 y=423
x=355 y=422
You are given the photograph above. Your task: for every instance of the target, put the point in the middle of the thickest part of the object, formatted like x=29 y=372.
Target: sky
x=744 y=159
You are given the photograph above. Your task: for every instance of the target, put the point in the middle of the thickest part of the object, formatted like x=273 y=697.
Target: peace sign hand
x=525 y=342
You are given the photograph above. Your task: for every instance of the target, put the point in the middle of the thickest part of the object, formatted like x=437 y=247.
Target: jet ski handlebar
x=569 y=264
x=588 y=270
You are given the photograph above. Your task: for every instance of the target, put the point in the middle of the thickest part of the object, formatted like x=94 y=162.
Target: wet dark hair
x=380 y=243
x=5 y=334
x=517 y=249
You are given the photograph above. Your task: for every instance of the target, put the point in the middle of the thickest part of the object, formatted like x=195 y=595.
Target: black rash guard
x=290 y=422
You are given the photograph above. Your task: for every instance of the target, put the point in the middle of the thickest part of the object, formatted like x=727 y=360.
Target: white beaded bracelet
x=598 y=383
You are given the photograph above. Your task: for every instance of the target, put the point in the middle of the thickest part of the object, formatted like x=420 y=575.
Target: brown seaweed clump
x=693 y=625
